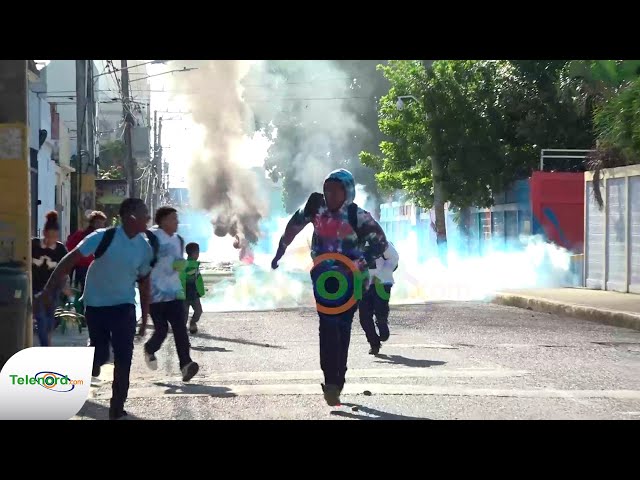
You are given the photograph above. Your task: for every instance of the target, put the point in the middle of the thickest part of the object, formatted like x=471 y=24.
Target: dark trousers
x=335 y=329
x=373 y=304
x=116 y=326
x=173 y=313
x=335 y=337
x=195 y=304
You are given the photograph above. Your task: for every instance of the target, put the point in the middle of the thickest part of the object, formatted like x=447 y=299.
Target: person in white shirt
x=167 y=294
x=375 y=301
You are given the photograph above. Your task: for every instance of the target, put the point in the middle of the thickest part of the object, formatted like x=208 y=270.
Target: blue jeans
x=46 y=322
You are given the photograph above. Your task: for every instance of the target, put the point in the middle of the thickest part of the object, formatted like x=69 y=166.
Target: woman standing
x=46 y=253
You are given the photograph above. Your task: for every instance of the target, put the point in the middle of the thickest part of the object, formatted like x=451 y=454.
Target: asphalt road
x=447 y=360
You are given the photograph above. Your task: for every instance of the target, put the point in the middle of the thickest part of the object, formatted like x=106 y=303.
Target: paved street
x=444 y=361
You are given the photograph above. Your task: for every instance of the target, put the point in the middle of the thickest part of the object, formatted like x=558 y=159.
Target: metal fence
x=612 y=234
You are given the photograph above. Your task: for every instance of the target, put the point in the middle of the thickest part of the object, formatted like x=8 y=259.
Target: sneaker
x=151 y=361
x=331 y=395
x=374 y=350
x=383 y=328
x=193 y=328
x=189 y=370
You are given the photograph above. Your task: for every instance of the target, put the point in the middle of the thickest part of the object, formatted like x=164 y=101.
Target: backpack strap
x=155 y=246
x=315 y=201
x=107 y=238
x=352 y=212
x=181 y=245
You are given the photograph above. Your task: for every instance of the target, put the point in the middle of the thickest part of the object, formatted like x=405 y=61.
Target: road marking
x=352 y=374
x=434 y=346
x=168 y=389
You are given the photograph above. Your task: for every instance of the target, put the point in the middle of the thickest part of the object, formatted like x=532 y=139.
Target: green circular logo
x=343 y=285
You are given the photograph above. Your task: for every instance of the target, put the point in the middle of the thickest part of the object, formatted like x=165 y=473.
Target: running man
x=168 y=306
x=375 y=300
x=340 y=229
x=125 y=258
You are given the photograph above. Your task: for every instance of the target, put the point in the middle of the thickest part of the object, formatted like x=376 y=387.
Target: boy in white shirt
x=167 y=294
x=375 y=301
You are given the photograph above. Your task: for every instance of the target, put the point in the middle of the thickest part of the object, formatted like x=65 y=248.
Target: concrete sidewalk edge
x=616 y=318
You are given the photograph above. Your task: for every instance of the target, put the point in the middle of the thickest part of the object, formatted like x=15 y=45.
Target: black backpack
x=153 y=241
x=316 y=201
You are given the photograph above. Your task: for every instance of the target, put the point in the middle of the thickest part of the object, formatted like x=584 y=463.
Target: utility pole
x=16 y=329
x=81 y=142
x=91 y=115
x=159 y=165
x=438 y=196
x=130 y=164
x=154 y=170
x=89 y=179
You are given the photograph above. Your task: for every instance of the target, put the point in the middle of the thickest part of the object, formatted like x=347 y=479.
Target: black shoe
x=95 y=372
x=331 y=395
x=193 y=328
x=374 y=350
x=383 y=328
x=121 y=415
x=189 y=370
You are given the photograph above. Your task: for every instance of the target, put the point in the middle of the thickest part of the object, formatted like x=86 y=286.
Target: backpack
x=153 y=241
x=316 y=200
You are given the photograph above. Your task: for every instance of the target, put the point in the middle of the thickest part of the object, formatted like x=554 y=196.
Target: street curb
x=616 y=318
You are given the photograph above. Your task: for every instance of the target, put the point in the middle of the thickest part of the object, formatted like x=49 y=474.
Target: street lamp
x=400 y=104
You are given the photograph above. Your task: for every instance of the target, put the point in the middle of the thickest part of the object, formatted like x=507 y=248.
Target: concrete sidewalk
x=611 y=308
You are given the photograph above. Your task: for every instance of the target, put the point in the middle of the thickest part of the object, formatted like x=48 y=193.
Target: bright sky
x=181 y=137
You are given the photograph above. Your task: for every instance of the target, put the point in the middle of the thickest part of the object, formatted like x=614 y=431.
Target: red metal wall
x=557 y=206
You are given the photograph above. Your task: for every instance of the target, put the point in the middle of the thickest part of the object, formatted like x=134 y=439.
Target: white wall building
x=51 y=184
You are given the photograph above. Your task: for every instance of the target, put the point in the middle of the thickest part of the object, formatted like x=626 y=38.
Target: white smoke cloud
x=221 y=183
x=314 y=94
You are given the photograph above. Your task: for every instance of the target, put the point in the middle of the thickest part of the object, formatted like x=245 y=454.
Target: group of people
x=119 y=258
x=345 y=238
x=109 y=262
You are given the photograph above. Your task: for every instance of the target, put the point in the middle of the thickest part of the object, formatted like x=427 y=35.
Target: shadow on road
x=409 y=362
x=366 y=413
x=99 y=412
x=186 y=389
x=236 y=340
x=199 y=348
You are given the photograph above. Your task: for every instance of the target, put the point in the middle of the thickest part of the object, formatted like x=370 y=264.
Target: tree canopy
x=484 y=120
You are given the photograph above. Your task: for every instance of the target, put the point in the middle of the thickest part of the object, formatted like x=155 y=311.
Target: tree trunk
x=438 y=198
x=438 y=207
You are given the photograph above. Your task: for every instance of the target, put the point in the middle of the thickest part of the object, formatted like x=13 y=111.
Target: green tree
x=111 y=160
x=617 y=123
x=457 y=118
x=482 y=121
x=606 y=91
